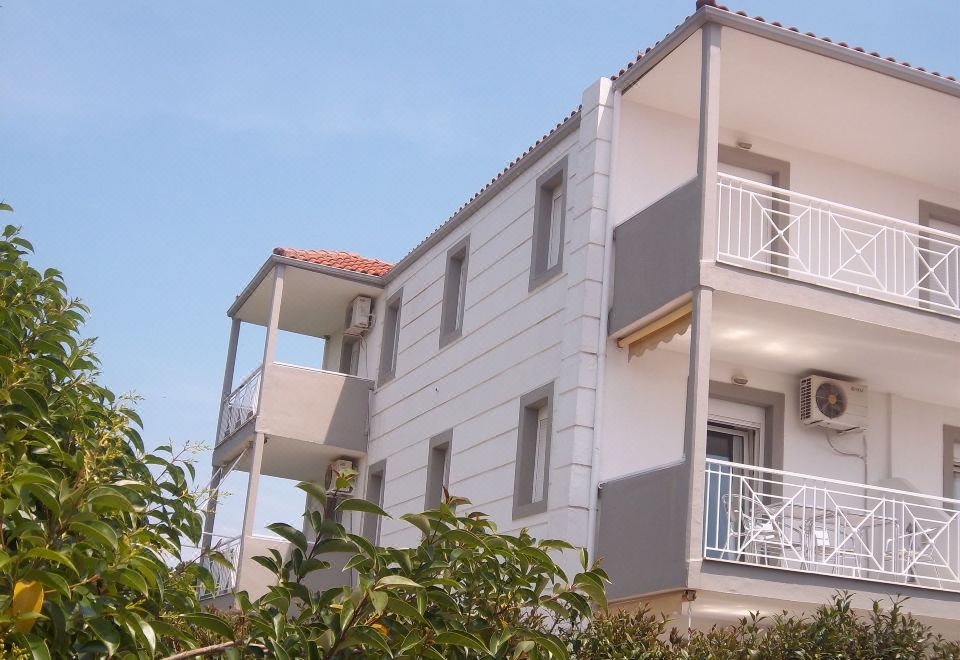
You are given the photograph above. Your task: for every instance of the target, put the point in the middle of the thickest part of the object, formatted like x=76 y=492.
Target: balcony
x=788 y=234
x=240 y=406
x=302 y=411
x=224 y=579
x=796 y=522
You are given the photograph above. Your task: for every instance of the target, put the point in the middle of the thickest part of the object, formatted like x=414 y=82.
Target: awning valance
x=659 y=330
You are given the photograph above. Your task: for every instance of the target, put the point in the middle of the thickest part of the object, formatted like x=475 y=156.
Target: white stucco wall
x=643 y=407
x=848 y=183
x=644 y=418
x=510 y=346
x=657 y=153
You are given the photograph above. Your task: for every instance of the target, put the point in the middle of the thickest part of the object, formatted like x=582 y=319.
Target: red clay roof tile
x=335 y=259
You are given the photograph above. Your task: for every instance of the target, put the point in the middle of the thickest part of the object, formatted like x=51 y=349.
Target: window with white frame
x=532 y=474
x=549 y=214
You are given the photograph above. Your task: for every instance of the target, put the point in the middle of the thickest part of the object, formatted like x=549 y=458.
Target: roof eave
x=475 y=204
x=276 y=260
x=785 y=36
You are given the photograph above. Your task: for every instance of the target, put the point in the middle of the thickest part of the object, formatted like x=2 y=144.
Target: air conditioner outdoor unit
x=833 y=404
x=336 y=467
x=359 y=316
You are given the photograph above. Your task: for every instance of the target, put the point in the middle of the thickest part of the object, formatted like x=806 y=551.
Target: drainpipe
x=602 y=339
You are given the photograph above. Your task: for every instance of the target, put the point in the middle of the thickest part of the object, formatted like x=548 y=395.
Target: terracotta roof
x=761 y=19
x=335 y=259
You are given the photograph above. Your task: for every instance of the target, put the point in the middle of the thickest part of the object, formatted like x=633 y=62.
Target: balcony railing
x=805 y=523
x=785 y=233
x=241 y=405
x=224 y=579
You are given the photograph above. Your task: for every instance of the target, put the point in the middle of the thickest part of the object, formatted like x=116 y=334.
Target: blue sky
x=157 y=152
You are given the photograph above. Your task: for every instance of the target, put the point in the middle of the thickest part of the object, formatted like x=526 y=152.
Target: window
x=391 y=337
x=350 y=355
x=375 y=481
x=532 y=478
x=951 y=465
x=454 y=288
x=549 y=214
x=438 y=468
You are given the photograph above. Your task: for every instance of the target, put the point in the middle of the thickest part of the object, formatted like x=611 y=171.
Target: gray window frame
x=370 y=526
x=453 y=304
x=530 y=405
x=547 y=183
x=389 y=342
x=438 y=468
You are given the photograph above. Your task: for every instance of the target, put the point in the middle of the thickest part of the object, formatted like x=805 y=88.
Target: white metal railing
x=240 y=405
x=224 y=579
x=799 y=522
x=786 y=233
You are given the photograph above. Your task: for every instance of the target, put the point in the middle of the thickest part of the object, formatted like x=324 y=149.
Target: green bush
x=90 y=520
x=834 y=630
x=465 y=591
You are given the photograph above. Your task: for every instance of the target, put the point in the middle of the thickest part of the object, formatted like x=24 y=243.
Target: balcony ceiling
x=781 y=93
x=750 y=333
x=313 y=303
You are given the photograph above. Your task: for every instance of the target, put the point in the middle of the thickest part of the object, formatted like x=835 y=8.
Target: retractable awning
x=657 y=331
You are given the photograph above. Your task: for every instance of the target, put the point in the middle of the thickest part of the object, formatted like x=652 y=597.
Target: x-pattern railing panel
x=224 y=578
x=241 y=405
x=785 y=233
x=801 y=522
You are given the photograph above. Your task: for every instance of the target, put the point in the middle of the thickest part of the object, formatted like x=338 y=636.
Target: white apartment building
x=707 y=327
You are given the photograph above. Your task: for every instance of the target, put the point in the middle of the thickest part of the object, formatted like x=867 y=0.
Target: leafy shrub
x=834 y=630
x=90 y=520
x=465 y=591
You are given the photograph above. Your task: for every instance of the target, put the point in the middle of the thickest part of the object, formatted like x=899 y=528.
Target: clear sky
x=156 y=152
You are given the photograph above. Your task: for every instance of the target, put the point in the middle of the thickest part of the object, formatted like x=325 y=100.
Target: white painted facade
x=636 y=142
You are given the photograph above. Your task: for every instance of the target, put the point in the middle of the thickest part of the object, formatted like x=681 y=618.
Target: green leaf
x=108 y=633
x=363 y=506
x=133 y=580
x=316 y=491
x=50 y=555
x=38 y=648
x=462 y=639
x=419 y=521
x=214 y=624
x=146 y=630
x=98 y=532
x=291 y=534
x=379 y=600
x=397 y=581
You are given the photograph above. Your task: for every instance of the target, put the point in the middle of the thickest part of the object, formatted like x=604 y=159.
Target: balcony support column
x=695 y=427
x=228 y=372
x=709 y=148
x=210 y=512
x=250 y=506
x=270 y=343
